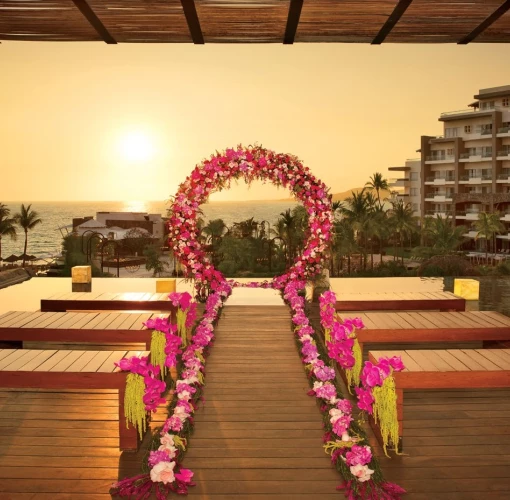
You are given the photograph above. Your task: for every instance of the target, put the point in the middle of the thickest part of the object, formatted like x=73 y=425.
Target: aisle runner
x=259 y=434
x=254 y=297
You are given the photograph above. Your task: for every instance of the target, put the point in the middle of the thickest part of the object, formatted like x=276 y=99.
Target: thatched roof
x=256 y=21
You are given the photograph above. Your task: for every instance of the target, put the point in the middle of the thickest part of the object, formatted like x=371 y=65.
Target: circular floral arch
x=249 y=164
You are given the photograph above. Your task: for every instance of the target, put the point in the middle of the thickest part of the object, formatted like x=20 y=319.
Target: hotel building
x=466 y=170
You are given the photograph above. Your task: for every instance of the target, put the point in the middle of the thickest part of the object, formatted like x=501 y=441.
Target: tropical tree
x=403 y=222
x=214 y=230
x=488 y=225
x=378 y=183
x=7 y=225
x=27 y=219
x=441 y=236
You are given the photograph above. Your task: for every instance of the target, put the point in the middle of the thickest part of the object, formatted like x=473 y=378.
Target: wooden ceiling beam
x=483 y=26
x=393 y=19
x=190 y=11
x=95 y=22
x=292 y=21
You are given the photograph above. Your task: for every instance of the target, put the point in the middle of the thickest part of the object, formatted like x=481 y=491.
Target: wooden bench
x=94 y=328
x=54 y=369
x=422 y=327
x=446 y=369
x=89 y=301
x=398 y=301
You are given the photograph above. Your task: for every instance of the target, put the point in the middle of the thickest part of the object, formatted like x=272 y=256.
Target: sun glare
x=136 y=146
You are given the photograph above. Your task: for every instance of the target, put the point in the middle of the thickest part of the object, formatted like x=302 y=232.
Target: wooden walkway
x=398 y=301
x=259 y=434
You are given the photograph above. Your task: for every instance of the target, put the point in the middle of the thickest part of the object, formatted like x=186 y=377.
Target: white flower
x=163 y=472
x=361 y=472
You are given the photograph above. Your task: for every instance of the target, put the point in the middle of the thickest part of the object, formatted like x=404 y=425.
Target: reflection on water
x=494 y=294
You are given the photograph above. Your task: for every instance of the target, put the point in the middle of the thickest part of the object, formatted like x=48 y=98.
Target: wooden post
x=81 y=279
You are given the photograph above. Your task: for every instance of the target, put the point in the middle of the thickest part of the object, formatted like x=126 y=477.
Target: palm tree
x=214 y=229
x=379 y=183
x=403 y=221
x=289 y=226
x=7 y=225
x=488 y=225
x=442 y=235
x=27 y=219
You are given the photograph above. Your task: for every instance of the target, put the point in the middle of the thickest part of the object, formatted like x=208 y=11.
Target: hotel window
x=486 y=129
x=451 y=132
x=467 y=129
x=415 y=207
x=487 y=105
x=414 y=191
x=506 y=101
x=449 y=152
x=414 y=176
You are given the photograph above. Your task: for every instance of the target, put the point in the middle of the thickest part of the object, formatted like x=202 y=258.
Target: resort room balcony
x=503 y=178
x=475 y=179
x=441 y=212
x=399 y=183
x=503 y=155
x=438 y=197
x=469 y=214
x=440 y=180
x=436 y=159
x=503 y=236
x=505 y=216
x=474 y=157
x=503 y=132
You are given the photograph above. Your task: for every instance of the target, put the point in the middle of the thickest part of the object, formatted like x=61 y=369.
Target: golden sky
x=89 y=121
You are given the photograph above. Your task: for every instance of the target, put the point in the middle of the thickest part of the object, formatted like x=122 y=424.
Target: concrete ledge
x=13 y=277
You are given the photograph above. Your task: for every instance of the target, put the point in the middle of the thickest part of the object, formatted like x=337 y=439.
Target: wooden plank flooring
x=63 y=445
x=259 y=434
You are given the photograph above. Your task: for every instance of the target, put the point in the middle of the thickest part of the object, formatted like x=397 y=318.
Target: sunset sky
x=88 y=121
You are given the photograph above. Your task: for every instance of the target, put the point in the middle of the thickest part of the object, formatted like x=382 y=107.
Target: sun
x=136 y=146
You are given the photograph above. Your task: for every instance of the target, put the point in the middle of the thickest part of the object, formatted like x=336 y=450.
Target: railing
x=438 y=193
x=504 y=176
x=504 y=153
x=440 y=158
x=503 y=130
x=486 y=131
x=464 y=156
x=458 y=112
x=487 y=177
x=449 y=178
x=440 y=211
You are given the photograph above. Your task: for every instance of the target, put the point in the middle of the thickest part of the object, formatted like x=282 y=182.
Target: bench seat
x=446 y=369
x=397 y=301
x=69 y=369
x=93 y=328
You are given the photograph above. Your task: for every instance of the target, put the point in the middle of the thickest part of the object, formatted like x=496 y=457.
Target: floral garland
x=164 y=473
x=344 y=440
x=248 y=163
x=377 y=395
x=340 y=338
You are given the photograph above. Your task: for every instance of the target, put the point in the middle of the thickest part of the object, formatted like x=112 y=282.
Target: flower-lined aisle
x=162 y=472
x=344 y=439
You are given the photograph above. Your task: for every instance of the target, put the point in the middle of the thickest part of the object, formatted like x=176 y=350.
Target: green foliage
x=153 y=260
x=447 y=265
x=74 y=256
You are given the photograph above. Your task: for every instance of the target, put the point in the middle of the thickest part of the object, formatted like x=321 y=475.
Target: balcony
x=474 y=179
x=468 y=214
x=503 y=155
x=441 y=212
x=479 y=155
x=504 y=177
x=505 y=217
x=471 y=234
x=440 y=180
x=503 y=132
x=439 y=196
x=439 y=159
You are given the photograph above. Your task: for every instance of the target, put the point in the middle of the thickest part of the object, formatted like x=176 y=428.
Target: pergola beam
x=95 y=22
x=292 y=21
x=190 y=11
x=393 y=19
x=485 y=24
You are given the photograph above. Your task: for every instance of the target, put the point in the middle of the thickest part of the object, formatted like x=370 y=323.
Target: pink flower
x=365 y=399
x=344 y=405
x=396 y=363
x=358 y=455
x=163 y=472
x=157 y=456
x=371 y=375
x=184 y=476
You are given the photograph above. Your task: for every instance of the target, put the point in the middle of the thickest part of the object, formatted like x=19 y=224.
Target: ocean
x=45 y=240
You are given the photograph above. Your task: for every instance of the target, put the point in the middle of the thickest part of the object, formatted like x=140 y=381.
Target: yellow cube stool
x=467 y=289
x=165 y=286
x=81 y=279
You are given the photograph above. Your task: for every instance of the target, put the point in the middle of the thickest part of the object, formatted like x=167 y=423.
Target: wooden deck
x=72 y=327
x=62 y=445
x=90 y=301
x=397 y=301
